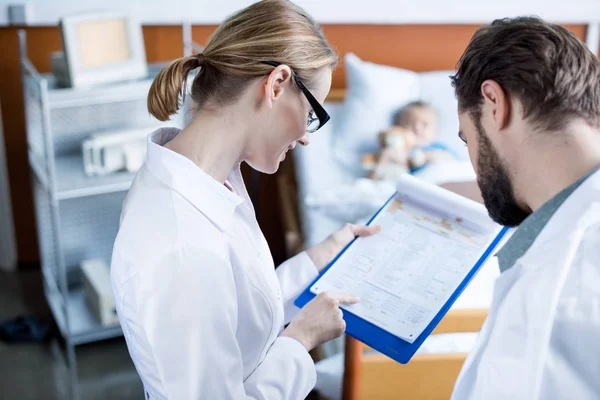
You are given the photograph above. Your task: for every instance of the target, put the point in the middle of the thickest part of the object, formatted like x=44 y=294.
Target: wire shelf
x=70 y=126
x=77 y=216
x=83 y=326
x=34 y=117
x=88 y=227
x=46 y=237
x=72 y=182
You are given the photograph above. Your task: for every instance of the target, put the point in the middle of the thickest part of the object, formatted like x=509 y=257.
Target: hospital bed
x=328 y=169
x=316 y=170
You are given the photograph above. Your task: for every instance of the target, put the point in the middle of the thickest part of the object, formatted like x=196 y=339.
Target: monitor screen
x=103 y=42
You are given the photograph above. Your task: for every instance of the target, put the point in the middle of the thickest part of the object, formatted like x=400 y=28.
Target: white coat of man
x=529 y=110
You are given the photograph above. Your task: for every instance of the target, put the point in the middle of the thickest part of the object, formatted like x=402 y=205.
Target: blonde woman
x=201 y=305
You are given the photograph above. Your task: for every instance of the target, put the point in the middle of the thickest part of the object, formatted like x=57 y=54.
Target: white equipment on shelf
x=108 y=152
x=97 y=291
x=8 y=250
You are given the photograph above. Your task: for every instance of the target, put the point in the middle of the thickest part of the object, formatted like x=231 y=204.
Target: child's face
x=422 y=121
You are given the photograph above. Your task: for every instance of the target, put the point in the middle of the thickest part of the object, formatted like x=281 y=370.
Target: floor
x=38 y=371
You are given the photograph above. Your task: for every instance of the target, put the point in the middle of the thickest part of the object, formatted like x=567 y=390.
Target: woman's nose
x=304 y=140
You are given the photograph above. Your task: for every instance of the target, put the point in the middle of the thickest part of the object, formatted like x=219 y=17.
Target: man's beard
x=494 y=183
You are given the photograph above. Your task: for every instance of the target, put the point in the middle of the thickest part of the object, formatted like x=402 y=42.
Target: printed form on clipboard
x=431 y=244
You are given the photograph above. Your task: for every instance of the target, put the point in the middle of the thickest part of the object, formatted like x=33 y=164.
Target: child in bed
x=420 y=118
x=408 y=146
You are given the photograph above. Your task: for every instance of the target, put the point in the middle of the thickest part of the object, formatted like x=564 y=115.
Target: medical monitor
x=102 y=48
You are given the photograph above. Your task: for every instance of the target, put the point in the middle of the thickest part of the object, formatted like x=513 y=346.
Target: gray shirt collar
x=529 y=229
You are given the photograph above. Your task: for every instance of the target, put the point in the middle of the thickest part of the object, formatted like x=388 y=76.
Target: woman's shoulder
x=155 y=250
x=156 y=221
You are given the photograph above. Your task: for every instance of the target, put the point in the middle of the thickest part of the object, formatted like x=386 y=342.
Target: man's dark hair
x=545 y=66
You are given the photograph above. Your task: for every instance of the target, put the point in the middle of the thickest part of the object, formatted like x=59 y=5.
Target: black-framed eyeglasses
x=318 y=116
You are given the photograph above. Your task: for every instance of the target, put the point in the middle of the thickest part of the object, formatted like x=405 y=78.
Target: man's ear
x=496 y=100
x=276 y=83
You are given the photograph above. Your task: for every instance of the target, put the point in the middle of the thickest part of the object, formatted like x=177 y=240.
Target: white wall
x=47 y=12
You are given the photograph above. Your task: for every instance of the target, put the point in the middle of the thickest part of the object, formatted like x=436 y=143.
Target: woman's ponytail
x=168 y=85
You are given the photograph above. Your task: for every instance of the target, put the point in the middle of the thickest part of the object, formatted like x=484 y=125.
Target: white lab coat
x=541 y=339
x=200 y=302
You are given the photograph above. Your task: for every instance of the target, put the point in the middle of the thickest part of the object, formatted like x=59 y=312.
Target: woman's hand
x=320 y=321
x=322 y=253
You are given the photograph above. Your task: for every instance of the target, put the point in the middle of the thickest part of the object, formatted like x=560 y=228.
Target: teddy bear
x=397 y=155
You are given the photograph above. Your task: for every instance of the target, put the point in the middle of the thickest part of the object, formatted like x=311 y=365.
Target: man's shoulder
x=590 y=243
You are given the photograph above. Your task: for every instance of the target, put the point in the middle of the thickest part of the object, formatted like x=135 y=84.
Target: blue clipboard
x=378 y=338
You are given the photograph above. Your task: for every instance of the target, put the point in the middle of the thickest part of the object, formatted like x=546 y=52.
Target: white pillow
x=375 y=93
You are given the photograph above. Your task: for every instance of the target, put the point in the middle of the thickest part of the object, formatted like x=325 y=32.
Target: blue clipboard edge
x=378 y=338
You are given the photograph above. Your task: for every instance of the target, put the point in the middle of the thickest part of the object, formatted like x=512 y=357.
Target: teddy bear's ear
x=400 y=130
x=368 y=161
x=368 y=158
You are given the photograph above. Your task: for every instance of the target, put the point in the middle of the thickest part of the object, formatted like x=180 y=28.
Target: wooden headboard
x=415 y=47
x=419 y=47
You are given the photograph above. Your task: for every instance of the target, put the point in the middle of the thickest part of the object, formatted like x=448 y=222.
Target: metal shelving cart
x=77 y=216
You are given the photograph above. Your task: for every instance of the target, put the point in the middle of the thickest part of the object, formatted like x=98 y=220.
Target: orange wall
x=416 y=47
